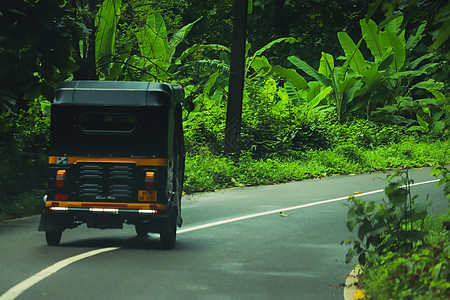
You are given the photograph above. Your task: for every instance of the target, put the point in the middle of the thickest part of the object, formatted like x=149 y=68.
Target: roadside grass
x=208 y=172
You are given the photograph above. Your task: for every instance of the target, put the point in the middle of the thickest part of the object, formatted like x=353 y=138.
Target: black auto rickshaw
x=116 y=156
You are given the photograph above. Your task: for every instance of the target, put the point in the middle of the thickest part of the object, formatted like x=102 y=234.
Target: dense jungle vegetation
x=331 y=87
x=325 y=92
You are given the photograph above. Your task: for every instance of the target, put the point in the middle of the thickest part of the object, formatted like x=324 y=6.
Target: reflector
x=149 y=180
x=61 y=178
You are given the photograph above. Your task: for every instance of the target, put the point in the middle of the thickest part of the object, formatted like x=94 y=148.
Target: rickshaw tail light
x=149 y=180
x=61 y=178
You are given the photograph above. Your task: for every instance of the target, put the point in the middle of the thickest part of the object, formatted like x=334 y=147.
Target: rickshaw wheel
x=53 y=237
x=169 y=236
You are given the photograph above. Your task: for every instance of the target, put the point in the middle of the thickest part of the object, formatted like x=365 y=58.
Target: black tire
x=53 y=237
x=169 y=236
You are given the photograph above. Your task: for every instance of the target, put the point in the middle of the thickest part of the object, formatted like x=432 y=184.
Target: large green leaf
x=440 y=97
x=309 y=70
x=106 y=24
x=315 y=88
x=349 y=88
x=152 y=39
x=293 y=95
x=371 y=80
x=357 y=62
x=389 y=39
x=386 y=60
x=418 y=61
x=414 y=39
x=394 y=27
x=430 y=84
x=372 y=38
x=413 y=73
x=261 y=63
x=323 y=93
x=289 y=40
x=326 y=66
x=196 y=47
x=291 y=76
x=250 y=60
x=179 y=36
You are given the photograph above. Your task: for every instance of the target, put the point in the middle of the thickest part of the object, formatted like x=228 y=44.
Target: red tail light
x=149 y=180
x=61 y=178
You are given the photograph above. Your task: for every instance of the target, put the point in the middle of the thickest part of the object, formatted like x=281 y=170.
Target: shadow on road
x=148 y=242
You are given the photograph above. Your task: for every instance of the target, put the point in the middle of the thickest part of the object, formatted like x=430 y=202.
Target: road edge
x=351 y=283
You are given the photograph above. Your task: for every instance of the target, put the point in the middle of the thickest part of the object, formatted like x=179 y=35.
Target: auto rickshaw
x=116 y=157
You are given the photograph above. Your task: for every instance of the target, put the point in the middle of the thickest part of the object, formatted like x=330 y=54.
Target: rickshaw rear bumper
x=59 y=218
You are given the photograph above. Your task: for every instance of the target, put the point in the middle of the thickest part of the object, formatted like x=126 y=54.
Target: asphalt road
x=234 y=244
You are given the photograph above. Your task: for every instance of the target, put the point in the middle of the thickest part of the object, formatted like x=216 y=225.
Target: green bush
x=393 y=225
x=420 y=274
x=24 y=141
x=405 y=253
x=27 y=203
x=423 y=273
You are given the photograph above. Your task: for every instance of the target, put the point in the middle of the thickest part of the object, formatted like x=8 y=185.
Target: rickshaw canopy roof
x=118 y=93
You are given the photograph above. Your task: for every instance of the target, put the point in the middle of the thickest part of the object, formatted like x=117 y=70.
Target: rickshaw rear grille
x=110 y=181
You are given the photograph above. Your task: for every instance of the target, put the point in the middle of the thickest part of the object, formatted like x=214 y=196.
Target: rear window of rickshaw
x=94 y=122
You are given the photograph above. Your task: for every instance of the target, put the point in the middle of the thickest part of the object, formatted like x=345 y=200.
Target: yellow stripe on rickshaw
x=70 y=160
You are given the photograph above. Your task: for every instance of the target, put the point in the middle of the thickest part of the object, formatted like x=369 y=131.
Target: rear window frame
x=100 y=130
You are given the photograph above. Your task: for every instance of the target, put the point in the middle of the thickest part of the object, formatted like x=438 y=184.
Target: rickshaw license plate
x=147 y=195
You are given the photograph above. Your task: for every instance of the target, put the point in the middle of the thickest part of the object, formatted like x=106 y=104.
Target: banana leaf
x=291 y=76
x=179 y=36
x=357 y=62
x=372 y=37
x=326 y=66
x=106 y=22
x=152 y=39
x=309 y=70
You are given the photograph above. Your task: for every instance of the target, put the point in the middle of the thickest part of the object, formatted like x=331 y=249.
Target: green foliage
x=106 y=22
x=24 y=140
x=389 y=89
x=395 y=225
x=441 y=170
x=35 y=50
x=279 y=168
x=421 y=274
x=405 y=253
x=26 y=203
x=436 y=13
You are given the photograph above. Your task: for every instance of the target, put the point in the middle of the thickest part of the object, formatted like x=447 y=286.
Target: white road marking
x=226 y=221
x=18 y=289
x=21 y=287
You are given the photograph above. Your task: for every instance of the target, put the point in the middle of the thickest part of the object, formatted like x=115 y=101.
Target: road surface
x=234 y=244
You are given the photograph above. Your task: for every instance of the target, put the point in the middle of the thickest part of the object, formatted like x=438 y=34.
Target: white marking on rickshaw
x=21 y=287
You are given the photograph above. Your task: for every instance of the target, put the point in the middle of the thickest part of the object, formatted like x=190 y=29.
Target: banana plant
x=157 y=51
x=330 y=80
x=257 y=61
x=397 y=79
